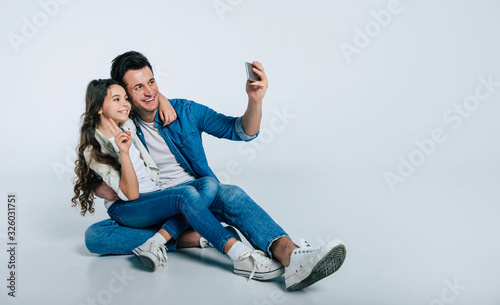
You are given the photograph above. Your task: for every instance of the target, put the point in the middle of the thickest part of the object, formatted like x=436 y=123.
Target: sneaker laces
x=304 y=243
x=160 y=251
x=259 y=257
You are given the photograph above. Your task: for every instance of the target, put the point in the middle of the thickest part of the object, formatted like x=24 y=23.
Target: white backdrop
x=380 y=127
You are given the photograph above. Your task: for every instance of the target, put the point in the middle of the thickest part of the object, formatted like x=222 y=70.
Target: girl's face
x=116 y=105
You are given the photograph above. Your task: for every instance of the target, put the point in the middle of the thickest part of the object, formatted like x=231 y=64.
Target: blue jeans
x=231 y=205
x=191 y=199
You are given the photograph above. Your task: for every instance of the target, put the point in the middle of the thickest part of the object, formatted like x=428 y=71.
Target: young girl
x=105 y=152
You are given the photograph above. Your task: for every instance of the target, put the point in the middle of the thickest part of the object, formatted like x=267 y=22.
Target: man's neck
x=148 y=117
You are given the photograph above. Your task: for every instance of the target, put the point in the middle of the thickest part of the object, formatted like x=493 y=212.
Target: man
x=178 y=152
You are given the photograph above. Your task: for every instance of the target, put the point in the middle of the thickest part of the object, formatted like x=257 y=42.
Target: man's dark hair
x=127 y=61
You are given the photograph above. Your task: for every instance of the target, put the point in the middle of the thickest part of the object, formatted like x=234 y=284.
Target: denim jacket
x=112 y=176
x=183 y=136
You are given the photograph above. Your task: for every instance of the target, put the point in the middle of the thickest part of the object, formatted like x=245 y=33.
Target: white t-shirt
x=171 y=172
x=146 y=184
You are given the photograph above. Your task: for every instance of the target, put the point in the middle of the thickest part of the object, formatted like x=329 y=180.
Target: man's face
x=143 y=92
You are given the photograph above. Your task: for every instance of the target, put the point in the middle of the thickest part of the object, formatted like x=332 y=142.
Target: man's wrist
x=255 y=102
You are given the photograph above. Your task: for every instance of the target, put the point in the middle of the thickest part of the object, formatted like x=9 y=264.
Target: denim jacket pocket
x=186 y=142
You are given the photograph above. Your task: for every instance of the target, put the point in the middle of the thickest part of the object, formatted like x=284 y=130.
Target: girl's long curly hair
x=86 y=179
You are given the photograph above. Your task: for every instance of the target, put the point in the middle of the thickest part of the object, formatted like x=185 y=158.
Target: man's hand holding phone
x=257 y=84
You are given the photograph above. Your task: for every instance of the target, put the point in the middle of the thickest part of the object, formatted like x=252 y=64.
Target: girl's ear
x=100 y=111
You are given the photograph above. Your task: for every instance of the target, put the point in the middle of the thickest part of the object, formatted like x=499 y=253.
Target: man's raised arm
x=256 y=91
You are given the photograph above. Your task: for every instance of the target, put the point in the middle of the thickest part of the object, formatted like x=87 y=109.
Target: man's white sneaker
x=204 y=243
x=152 y=254
x=308 y=265
x=256 y=265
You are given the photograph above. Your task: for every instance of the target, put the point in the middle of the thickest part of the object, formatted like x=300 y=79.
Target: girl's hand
x=166 y=111
x=122 y=139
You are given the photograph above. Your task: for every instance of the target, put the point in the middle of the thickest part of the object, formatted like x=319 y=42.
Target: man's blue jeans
x=231 y=205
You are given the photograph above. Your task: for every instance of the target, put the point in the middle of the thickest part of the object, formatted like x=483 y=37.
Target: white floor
x=439 y=230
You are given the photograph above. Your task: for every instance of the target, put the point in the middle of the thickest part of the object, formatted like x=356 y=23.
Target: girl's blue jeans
x=172 y=207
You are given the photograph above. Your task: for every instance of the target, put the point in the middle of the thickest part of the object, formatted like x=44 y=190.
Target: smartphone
x=251 y=76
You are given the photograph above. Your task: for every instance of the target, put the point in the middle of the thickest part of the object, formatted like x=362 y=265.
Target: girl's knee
x=208 y=189
x=210 y=184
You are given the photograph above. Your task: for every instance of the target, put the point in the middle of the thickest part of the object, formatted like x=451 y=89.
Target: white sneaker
x=255 y=264
x=308 y=265
x=151 y=254
x=204 y=243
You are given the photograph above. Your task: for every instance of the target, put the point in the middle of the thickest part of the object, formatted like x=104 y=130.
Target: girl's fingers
x=123 y=137
x=115 y=130
x=162 y=116
x=115 y=127
x=111 y=127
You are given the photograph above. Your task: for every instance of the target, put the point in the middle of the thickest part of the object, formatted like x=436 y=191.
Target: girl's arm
x=128 y=180
x=166 y=111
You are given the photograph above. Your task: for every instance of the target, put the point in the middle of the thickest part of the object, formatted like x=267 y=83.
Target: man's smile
x=149 y=100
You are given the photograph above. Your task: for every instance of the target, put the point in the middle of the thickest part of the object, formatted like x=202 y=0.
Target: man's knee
x=96 y=233
x=229 y=192
x=232 y=199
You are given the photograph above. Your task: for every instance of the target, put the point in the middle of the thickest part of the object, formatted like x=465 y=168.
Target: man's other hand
x=104 y=191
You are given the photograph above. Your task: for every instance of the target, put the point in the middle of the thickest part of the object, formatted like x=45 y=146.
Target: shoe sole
x=146 y=261
x=261 y=276
x=330 y=263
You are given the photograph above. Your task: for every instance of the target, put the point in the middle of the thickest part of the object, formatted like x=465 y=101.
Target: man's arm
x=106 y=192
x=256 y=91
